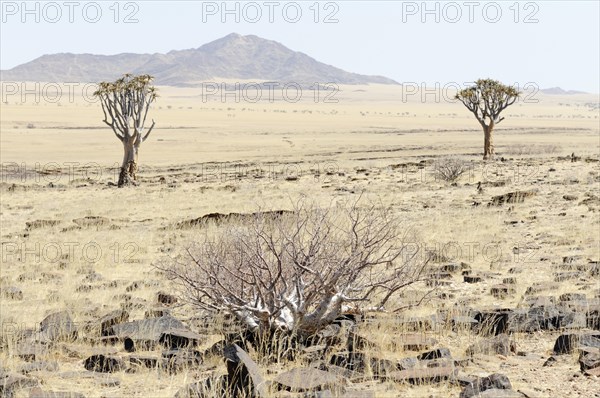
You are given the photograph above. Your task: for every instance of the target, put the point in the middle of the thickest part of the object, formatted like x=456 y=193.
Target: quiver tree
x=298 y=271
x=487 y=99
x=125 y=104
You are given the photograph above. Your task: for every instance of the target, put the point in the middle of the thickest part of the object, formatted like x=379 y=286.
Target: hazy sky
x=550 y=43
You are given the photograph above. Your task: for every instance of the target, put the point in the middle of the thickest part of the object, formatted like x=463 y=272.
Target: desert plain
x=72 y=241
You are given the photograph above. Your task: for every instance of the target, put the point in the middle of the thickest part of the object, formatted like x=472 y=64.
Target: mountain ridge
x=231 y=57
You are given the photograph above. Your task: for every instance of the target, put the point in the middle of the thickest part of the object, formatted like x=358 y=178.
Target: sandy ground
x=203 y=157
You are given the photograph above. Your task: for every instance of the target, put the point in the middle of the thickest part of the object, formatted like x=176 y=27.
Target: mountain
x=560 y=91
x=231 y=57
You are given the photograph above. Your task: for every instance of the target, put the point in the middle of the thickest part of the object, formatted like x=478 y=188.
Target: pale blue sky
x=384 y=38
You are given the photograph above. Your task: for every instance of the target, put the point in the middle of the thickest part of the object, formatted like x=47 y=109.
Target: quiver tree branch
x=125 y=104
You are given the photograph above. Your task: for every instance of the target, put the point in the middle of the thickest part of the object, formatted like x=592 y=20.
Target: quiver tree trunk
x=488 y=142
x=128 y=173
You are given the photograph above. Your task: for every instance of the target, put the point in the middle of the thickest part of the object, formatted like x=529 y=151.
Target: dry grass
x=361 y=153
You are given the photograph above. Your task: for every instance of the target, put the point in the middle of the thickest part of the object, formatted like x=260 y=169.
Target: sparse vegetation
x=499 y=264
x=299 y=272
x=449 y=169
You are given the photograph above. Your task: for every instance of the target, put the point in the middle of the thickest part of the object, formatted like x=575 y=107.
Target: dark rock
x=103 y=363
x=572 y=320
x=129 y=344
x=354 y=377
x=535 y=319
x=176 y=360
x=500 y=344
x=567 y=343
x=589 y=340
x=144 y=361
x=542 y=286
x=244 y=378
x=463 y=380
x=565 y=276
x=463 y=323
x=309 y=379
x=12 y=293
x=481 y=384
x=437 y=363
x=439 y=274
x=176 y=338
x=93 y=277
x=550 y=361
x=572 y=297
x=91 y=221
x=572 y=259
x=35 y=224
x=423 y=376
x=595 y=372
x=492 y=322
x=165 y=298
x=592 y=317
x=472 y=279
x=452 y=267
x=348 y=318
x=147 y=332
x=435 y=354
x=58 y=326
x=589 y=359
x=511 y=197
x=498 y=393
x=418 y=324
x=135 y=285
x=579 y=306
x=407 y=363
x=360 y=362
x=219 y=218
x=502 y=290
x=111 y=319
x=11 y=382
x=156 y=313
x=216 y=349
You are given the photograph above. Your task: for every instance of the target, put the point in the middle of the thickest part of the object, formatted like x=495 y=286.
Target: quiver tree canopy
x=486 y=100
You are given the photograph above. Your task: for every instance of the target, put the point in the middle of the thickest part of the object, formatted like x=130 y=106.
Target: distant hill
x=231 y=57
x=560 y=91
